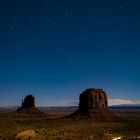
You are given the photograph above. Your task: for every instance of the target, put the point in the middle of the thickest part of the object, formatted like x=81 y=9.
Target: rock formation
x=26 y=135
x=29 y=101
x=28 y=108
x=93 y=104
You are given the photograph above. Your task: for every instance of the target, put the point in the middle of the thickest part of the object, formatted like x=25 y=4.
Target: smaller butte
x=28 y=108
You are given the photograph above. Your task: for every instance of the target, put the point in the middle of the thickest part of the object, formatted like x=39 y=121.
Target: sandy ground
x=55 y=127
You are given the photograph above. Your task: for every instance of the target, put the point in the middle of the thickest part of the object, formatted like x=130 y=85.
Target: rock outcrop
x=28 y=108
x=93 y=104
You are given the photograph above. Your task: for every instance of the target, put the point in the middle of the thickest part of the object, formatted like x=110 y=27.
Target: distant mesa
x=28 y=108
x=93 y=104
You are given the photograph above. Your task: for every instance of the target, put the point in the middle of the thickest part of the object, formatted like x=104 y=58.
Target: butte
x=28 y=108
x=93 y=104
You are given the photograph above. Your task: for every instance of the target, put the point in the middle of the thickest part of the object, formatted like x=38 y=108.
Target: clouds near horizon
x=110 y=102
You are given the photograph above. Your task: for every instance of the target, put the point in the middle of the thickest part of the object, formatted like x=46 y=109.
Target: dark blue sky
x=55 y=49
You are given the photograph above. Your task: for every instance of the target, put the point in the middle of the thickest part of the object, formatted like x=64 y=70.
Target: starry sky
x=55 y=49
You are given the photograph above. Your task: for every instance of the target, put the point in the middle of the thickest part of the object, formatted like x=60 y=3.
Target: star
x=37 y=18
x=38 y=39
x=49 y=20
x=66 y=13
x=29 y=20
x=70 y=12
x=11 y=47
x=71 y=63
x=9 y=63
x=104 y=22
x=13 y=41
x=12 y=18
x=77 y=11
x=133 y=19
x=96 y=21
x=18 y=77
x=46 y=3
x=12 y=28
x=121 y=7
x=137 y=13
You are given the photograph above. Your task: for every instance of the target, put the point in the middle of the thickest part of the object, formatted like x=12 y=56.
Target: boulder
x=26 y=135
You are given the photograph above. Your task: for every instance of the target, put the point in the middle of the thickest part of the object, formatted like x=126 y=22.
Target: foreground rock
x=26 y=135
x=28 y=108
x=93 y=104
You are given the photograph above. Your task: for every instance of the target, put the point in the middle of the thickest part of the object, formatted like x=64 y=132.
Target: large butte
x=93 y=104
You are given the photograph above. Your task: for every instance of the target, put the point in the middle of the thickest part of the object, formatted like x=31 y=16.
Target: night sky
x=55 y=49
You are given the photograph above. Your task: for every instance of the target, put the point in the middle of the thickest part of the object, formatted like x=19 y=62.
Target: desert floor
x=55 y=127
